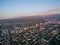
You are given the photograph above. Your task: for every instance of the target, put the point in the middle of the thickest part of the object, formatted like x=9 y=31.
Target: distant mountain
x=19 y=19
x=29 y=18
x=53 y=16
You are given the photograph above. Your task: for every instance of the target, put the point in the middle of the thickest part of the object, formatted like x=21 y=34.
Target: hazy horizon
x=19 y=8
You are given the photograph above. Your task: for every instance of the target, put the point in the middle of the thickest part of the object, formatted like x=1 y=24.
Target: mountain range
x=29 y=18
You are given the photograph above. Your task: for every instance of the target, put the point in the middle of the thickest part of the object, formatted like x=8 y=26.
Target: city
x=29 y=22
x=38 y=32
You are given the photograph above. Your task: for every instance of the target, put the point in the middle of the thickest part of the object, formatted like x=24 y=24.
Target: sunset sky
x=16 y=8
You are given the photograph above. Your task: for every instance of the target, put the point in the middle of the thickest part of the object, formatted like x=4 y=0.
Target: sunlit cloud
x=50 y=11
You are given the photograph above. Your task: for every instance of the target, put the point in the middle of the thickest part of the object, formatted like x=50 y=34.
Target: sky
x=18 y=8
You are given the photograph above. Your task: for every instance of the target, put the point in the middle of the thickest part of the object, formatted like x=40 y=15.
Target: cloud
x=50 y=11
x=54 y=11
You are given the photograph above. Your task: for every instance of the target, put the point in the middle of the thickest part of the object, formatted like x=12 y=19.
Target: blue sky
x=16 y=8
